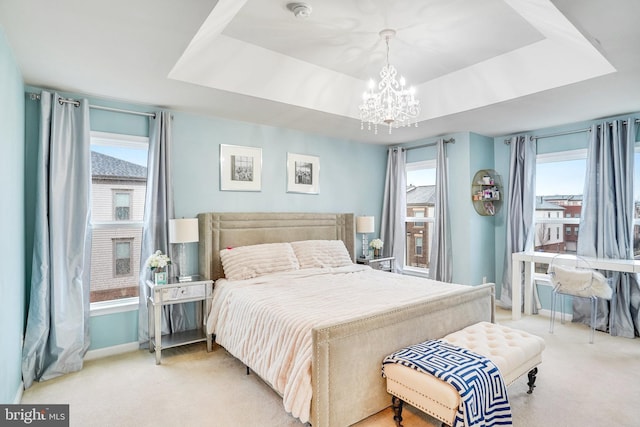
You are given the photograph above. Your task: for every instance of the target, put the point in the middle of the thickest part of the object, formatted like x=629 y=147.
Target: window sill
x=103 y=308
x=412 y=271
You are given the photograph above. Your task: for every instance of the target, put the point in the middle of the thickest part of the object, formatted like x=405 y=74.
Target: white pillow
x=321 y=253
x=245 y=262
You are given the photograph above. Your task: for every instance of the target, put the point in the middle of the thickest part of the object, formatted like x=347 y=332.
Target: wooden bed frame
x=347 y=356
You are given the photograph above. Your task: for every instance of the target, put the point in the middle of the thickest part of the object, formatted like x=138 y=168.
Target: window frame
x=558 y=156
x=423 y=222
x=110 y=139
x=117 y=191
x=114 y=255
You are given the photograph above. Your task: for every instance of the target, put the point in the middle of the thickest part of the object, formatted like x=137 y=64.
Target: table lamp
x=181 y=231
x=365 y=225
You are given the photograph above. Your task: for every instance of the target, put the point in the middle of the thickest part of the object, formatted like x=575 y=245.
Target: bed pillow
x=246 y=262
x=321 y=253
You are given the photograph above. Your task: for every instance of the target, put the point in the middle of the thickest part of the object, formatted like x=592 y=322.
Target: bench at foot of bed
x=514 y=353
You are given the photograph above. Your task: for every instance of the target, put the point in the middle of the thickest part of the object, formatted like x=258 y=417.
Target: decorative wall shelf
x=486 y=192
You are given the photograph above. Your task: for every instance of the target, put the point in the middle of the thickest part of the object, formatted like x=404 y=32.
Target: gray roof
x=547 y=206
x=566 y=197
x=107 y=167
x=421 y=195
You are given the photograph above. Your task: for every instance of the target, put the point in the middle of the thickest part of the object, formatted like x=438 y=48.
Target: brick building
x=420 y=204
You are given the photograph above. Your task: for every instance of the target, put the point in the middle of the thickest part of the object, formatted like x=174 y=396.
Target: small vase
x=376 y=252
x=160 y=276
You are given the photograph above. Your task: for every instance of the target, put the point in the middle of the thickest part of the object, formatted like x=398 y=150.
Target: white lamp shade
x=184 y=230
x=365 y=224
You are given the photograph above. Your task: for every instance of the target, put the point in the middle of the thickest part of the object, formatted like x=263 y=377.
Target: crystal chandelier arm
x=393 y=104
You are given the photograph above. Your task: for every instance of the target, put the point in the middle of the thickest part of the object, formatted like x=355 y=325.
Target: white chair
x=572 y=275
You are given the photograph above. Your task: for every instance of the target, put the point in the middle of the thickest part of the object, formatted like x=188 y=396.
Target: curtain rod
x=551 y=135
x=35 y=96
x=432 y=144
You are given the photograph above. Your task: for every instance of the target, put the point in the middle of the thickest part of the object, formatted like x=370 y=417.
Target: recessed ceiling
x=487 y=66
x=343 y=49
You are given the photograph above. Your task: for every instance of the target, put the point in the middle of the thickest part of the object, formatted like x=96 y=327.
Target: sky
x=555 y=178
x=421 y=177
x=133 y=155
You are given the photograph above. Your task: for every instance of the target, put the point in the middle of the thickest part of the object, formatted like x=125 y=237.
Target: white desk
x=524 y=262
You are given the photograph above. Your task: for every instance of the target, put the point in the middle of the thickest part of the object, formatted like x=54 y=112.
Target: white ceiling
x=493 y=67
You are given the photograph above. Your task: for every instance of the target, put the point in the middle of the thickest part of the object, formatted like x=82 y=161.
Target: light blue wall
x=351 y=178
x=12 y=253
x=351 y=174
x=472 y=235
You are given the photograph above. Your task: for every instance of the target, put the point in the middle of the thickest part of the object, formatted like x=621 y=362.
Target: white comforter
x=266 y=322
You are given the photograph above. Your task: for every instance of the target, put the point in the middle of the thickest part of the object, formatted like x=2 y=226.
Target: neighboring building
x=549 y=236
x=572 y=205
x=420 y=203
x=118 y=194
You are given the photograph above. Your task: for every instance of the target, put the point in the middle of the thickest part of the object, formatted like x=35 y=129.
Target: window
x=118 y=187
x=122 y=205
x=122 y=257
x=421 y=184
x=418 y=240
x=559 y=185
x=418 y=213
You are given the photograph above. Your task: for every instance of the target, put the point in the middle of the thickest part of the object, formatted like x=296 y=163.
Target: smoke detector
x=300 y=10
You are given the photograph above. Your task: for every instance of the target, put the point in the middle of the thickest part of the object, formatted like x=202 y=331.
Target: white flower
x=158 y=260
x=376 y=244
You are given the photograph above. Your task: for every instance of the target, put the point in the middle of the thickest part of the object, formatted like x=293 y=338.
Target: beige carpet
x=579 y=384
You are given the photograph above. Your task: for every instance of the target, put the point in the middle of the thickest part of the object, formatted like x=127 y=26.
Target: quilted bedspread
x=266 y=322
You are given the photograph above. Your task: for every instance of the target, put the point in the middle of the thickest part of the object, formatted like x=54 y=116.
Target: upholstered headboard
x=222 y=230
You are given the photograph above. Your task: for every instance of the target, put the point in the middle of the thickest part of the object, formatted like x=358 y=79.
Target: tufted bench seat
x=514 y=352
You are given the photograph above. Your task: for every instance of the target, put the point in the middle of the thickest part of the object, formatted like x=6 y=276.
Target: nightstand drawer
x=183 y=292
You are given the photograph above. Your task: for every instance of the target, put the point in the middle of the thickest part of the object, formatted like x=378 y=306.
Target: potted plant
x=158 y=263
x=377 y=245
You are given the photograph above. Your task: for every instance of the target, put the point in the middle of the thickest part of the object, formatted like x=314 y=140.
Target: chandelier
x=392 y=104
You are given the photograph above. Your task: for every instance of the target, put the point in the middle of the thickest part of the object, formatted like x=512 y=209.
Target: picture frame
x=303 y=173
x=240 y=168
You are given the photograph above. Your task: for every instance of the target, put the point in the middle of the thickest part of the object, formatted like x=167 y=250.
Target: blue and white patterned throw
x=484 y=400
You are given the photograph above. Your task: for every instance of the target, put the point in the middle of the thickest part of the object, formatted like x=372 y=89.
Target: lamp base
x=365 y=246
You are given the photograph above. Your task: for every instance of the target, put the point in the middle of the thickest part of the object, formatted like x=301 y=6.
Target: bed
x=339 y=383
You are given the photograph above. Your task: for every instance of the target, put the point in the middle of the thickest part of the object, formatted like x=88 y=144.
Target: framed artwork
x=303 y=174
x=240 y=168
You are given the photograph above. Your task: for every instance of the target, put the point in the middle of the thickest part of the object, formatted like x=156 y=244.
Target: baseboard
x=18 y=397
x=111 y=351
x=544 y=312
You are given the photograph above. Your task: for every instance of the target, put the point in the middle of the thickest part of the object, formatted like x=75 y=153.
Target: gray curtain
x=57 y=332
x=440 y=267
x=521 y=208
x=158 y=209
x=392 y=226
x=606 y=224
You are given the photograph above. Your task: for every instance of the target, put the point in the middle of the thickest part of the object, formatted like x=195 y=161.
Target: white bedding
x=266 y=321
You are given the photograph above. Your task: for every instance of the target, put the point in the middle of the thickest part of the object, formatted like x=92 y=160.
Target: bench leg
x=397 y=410
x=532 y=379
